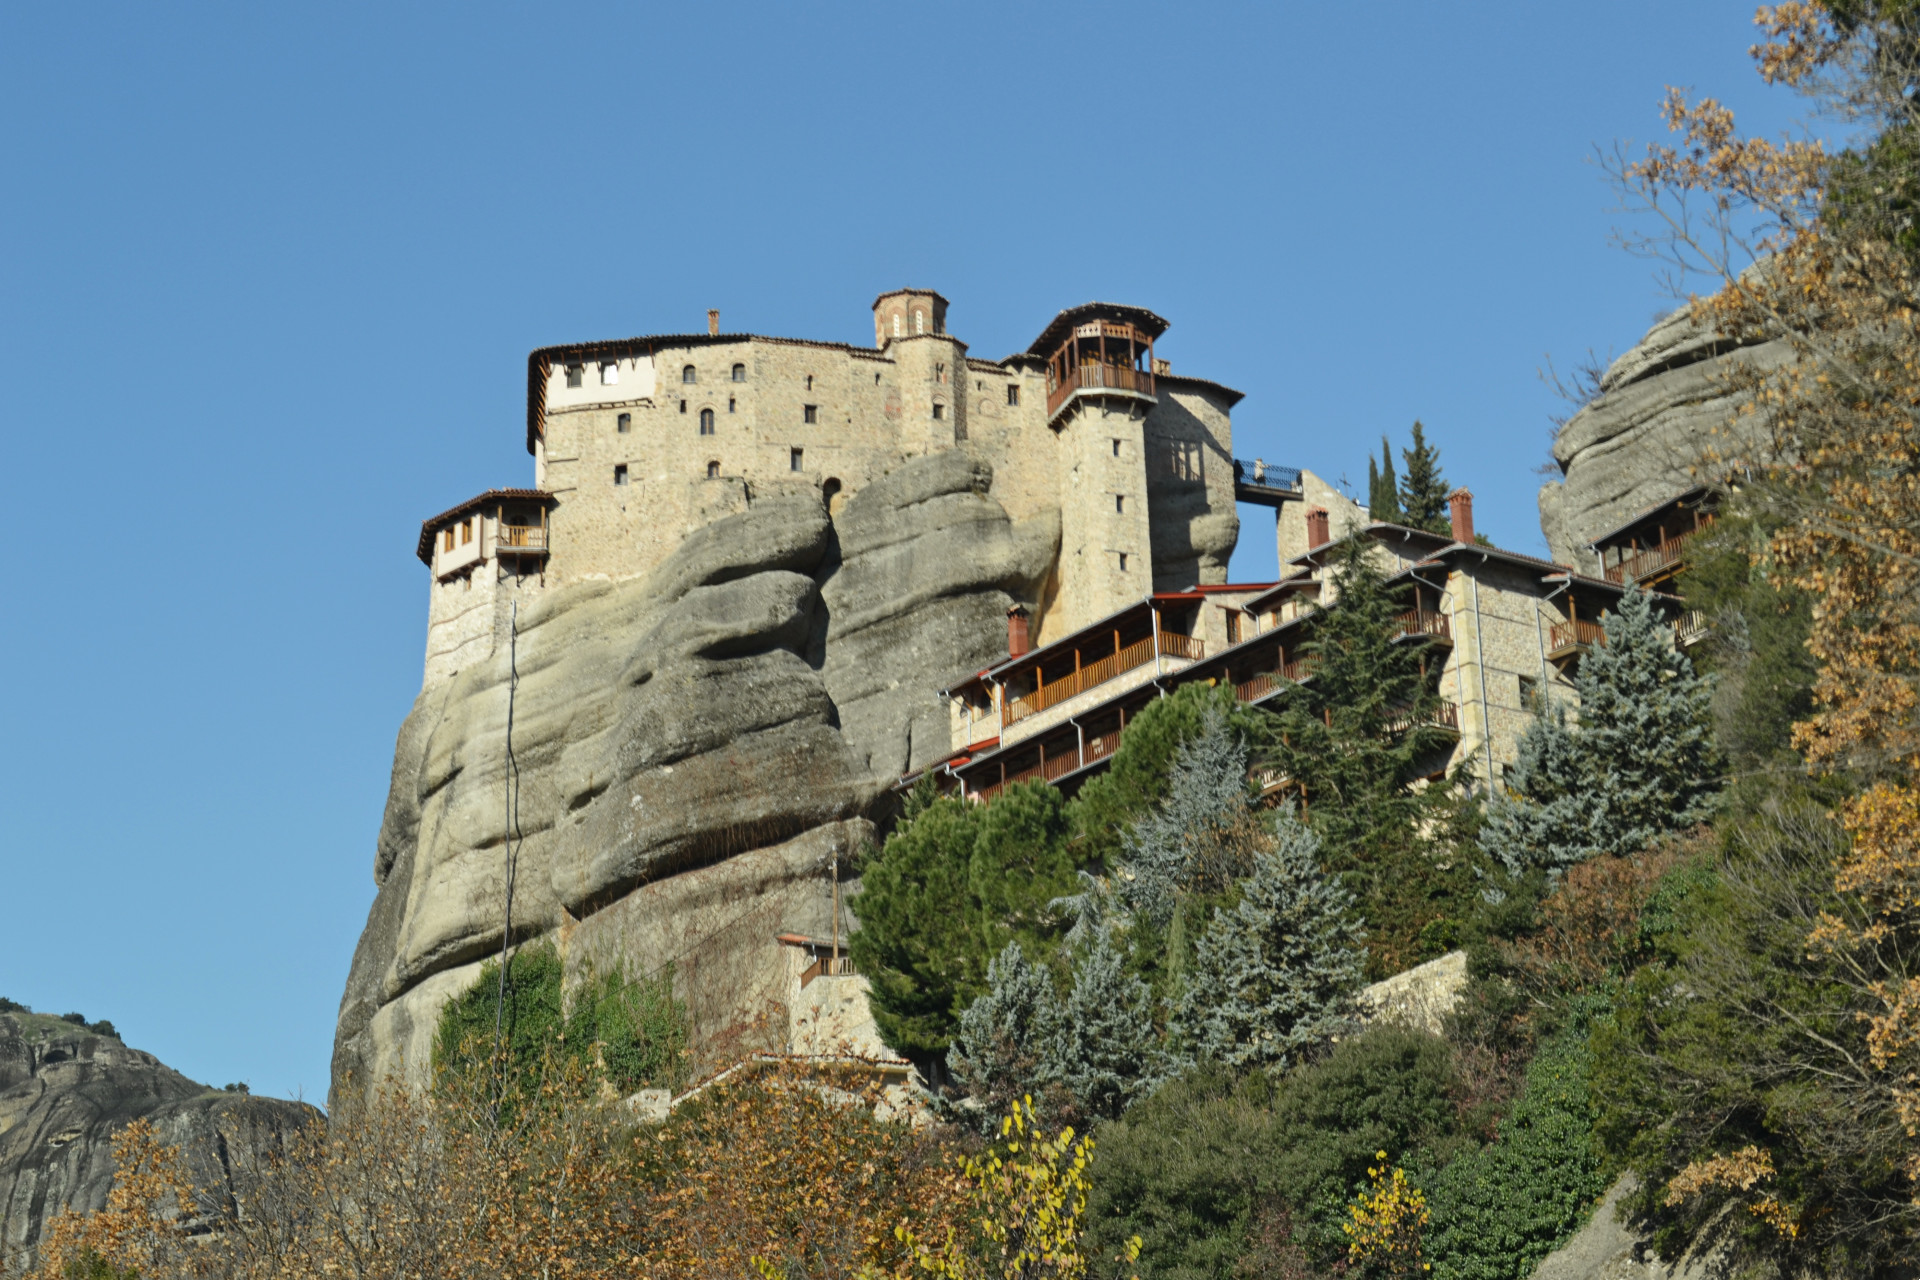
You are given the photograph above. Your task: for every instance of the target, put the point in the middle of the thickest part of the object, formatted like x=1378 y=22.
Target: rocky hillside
x=66 y=1090
x=695 y=748
x=1662 y=407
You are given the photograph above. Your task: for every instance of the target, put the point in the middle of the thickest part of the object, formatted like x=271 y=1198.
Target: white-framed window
x=610 y=373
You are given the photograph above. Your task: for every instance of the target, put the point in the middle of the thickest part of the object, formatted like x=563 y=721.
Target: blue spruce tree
x=1277 y=973
x=1640 y=762
x=1189 y=840
x=1006 y=1037
x=1106 y=1050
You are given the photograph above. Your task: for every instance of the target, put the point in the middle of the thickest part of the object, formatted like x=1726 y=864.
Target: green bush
x=1498 y=1210
x=632 y=1034
x=1189 y=1169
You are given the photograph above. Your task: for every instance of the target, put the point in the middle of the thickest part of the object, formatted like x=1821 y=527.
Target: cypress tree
x=1275 y=975
x=1383 y=502
x=1423 y=490
x=1106 y=1051
x=1640 y=761
x=1004 y=1043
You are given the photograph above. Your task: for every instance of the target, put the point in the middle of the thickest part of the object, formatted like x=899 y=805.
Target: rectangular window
x=683 y=406
x=1116 y=448
x=1013 y=394
x=1119 y=504
x=809 y=382
x=466 y=532
x=620 y=474
x=574 y=374
x=1233 y=625
x=939 y=410
x=811 y=412
x=1529 y=688
x=1123 y=562
x=729 y=404
x=625 y=423
x=449 y=541
x=793 y=460
x=939 y=373
x=610 y=373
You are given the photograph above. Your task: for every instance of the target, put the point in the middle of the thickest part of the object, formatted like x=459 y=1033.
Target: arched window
x=713 y=470
x=739 y=373
x=689 y=374
x=706 y=422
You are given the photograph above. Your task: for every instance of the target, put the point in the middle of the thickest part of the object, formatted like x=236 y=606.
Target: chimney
x=1462 y=503
x=713 y=321
x=1317 y=531
x=1017 y=642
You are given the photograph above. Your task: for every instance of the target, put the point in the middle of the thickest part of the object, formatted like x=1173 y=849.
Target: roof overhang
x=1061 y=325
x=432 y=524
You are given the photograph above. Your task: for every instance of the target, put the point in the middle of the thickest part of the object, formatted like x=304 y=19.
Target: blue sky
x=269 y=275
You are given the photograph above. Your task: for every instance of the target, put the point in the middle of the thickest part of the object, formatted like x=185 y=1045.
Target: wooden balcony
x=1098 y=377
x=1137 y=654
x=1443 y=716
x=1422 y=622
x=516 y=538
x=1690 y=628
x=1568 y=639
x=1655 y=561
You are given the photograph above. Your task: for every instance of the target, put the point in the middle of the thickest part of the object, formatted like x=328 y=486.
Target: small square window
x=624 y=423
x=939 y=410
x=1119 y=504
x=575 y=373
x=620 y=473
x=793 y=460
x=713 y=471
x=810 y=413
x=1013 y=393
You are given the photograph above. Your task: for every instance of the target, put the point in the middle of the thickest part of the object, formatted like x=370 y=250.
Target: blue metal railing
x=1266 y=475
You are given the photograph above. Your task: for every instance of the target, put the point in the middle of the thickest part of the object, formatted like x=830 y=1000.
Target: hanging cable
x=512 y=815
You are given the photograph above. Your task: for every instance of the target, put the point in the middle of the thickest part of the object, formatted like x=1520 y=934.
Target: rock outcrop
x=65 y=1092
x=1664 y=408
x=757 y=694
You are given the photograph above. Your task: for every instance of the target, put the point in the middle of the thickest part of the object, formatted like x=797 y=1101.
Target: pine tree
x=1383 y=490
x=1188 y=842
x=1005 y=1041
x=1639 y=762
x=952 y=886
x=1106 y=1051
x=1353 y=739
x=1423 y=491
x=1275 y=975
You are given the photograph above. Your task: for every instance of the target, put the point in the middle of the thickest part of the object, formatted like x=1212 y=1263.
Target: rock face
x=1664 y=408
x=63 y=1096
x=1608 y=1249
x=757 y=694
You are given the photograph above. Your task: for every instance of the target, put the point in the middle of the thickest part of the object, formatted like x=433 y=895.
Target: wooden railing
x=1562 y=636
x=828 y=967
x=1259 y=687
x=1300 y=668
x=1689 y=627
x=1644 y=564
x=1134 y=655
x=1444 y=716
x=531 y=536
x=1175 y=645
x=1100 y=746
x=1117 y=377
x=1419 y=622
